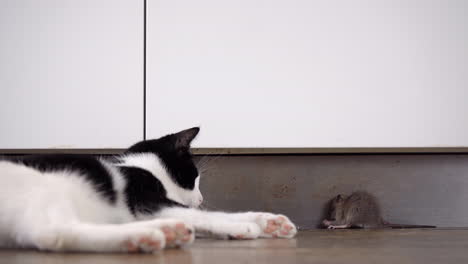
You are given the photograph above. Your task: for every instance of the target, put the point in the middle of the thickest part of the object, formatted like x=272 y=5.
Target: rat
x=360 y=209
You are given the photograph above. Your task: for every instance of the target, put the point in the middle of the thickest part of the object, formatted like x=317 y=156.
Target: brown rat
x=360 y=209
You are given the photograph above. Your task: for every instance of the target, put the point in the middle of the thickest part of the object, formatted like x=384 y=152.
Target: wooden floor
x=318 y=246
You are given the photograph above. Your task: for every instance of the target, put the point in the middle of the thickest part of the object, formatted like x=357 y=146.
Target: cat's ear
x=185 y=137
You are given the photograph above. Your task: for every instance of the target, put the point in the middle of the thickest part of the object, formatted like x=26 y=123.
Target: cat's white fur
x=61 y=211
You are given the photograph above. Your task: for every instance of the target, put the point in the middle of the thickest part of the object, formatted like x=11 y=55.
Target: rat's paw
x=276 y=226
x=144 y=240
x=178 y=233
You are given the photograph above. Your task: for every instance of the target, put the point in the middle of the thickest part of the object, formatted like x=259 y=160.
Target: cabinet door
x=310 y=73
x=71 y=73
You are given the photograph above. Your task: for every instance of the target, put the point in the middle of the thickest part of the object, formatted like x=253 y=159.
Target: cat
x=144 y=200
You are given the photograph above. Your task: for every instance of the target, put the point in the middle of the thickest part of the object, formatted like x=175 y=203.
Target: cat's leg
x=209 y=223
x=83 y=237
x=147 y=236
x=272 y=225
x=236 y=225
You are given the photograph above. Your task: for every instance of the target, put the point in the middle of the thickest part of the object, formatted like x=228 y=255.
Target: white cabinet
x=309 y=73
x=253 y=74
x=71 y=73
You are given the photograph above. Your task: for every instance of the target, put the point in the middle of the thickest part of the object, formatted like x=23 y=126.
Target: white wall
x=310 y=73
x=71 y=73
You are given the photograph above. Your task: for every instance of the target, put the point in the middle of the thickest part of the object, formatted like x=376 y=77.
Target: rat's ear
x=339 y=198
x=185 y=137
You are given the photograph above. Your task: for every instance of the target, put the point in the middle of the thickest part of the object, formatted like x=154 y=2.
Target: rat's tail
x=401 y=226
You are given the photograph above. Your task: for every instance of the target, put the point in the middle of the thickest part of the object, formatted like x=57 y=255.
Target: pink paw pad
x=177 y=235
x=149 y=243
x=131 y=247
x=144 y=244
x=274 y=225
x=279 y=226
x=244 y=236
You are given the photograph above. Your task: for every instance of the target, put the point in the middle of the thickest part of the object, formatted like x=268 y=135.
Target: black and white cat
x=142 y=201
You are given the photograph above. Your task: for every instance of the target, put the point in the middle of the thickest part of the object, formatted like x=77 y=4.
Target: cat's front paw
x=276 y=226
x=178 y=234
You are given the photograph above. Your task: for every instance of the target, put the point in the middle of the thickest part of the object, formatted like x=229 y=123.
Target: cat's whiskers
x=208 y=160
x=206 y=206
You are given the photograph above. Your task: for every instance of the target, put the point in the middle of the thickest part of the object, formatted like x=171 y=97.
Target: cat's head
x=173 y=153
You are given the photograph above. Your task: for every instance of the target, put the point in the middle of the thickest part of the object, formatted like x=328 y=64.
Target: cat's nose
x=200 y=198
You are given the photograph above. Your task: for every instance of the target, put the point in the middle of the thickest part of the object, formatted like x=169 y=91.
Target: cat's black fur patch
x=174 y=151
x=145 y=194
x=87 y=166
